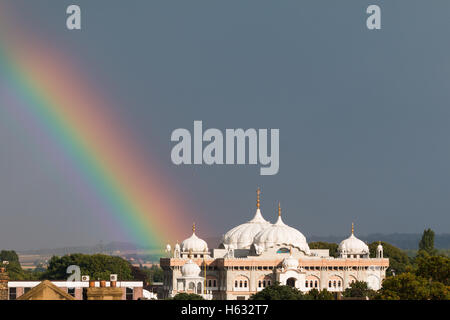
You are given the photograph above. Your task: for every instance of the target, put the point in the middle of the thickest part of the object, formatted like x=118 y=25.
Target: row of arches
x=190 y=287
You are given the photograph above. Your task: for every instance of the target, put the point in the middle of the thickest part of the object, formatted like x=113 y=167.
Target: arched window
x=339 y=283
x=245 y=284
x=334 y=283
x=215 y=283
x=259 y=284
x=316 y=283
x=236 y=284
x=240 y=284
x=311 y=283
x=268 y=282
x=330 y=284
x=291 y=282
x=283 y=250
x=264 y=283
x=306 y=284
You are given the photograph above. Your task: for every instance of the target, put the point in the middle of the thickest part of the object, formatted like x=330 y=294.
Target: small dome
x=190 y=269
x=290 y=263
x=194 y=244
x=280 y=234
x=352 y=245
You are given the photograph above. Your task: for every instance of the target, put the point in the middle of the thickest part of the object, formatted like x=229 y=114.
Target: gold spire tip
x=193 y=227
x=353 y=228
x=279 y=209
x=258 y=192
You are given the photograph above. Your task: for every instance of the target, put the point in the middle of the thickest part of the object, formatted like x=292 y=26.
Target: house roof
x=41 y=291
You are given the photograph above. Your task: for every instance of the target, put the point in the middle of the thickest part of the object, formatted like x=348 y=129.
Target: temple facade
x=257 y=253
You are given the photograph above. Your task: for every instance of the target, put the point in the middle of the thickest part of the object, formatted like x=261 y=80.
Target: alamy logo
x=237 y=142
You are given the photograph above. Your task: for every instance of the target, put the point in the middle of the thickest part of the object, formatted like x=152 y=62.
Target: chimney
x=4 y=278
x=105 y=293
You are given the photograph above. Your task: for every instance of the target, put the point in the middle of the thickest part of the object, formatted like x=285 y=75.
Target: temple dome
x=280 y=234
x=241 y=237
x=290 y=263
x=194 y=244
x=353 y=245
x=190 y=269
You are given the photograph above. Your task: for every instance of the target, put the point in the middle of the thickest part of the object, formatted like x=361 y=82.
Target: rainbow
x=99 y=155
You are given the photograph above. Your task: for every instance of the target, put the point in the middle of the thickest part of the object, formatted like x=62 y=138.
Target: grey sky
x=363 y=115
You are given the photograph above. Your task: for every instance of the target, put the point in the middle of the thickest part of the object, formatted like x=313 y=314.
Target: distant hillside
x=108 y=248
x=406 y=241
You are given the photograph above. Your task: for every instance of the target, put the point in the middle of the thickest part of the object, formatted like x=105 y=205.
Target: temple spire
x=193 y=227
x=258 y=192
x=353 y=228
x=279 y=209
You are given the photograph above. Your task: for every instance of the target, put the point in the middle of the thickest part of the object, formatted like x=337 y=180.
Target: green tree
x=409 y=286
x=358 y=289
x=13 y=266
x=8 y=255
x=436 y=268
x=187 y=296
x=427 y=242
x=333 y=247
x=315 y=294
x=278 y=292
x=97 y=266
x=398 y=259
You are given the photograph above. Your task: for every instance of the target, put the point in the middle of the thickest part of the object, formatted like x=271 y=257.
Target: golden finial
x=193 y=227
x=353 y=228
x=279 y=209
x=258 y=192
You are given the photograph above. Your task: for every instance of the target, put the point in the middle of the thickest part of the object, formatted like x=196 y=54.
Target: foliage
x=436 y=268
x=96 y=266
x=187 y=296
x=333 y=247
x=358 y=289
x=13 y=266
x=409 y=286
x=148 y=275
x=427 y=242
x=9 y=255
x=278 y=292
x=398 y=260
x=315 y=294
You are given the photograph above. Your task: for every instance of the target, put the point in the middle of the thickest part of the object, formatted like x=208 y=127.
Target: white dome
x=194 y=244
x=280 y=234
x=241 y=237
x=290 y=263
x=190 y=269
x=352 y=245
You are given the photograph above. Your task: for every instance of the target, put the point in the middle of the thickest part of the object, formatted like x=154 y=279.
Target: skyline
x=363 y=117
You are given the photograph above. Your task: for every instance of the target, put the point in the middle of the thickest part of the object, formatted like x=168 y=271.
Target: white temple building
x=257 y=253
